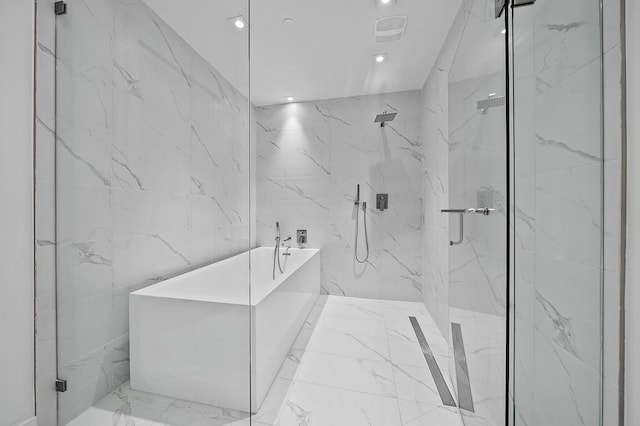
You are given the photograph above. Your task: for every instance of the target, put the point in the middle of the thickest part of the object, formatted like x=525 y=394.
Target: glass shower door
x=558 y=180
x=152 y=181
x=478 y=218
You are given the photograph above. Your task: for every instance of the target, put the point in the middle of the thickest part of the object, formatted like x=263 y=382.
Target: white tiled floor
x=356 y=362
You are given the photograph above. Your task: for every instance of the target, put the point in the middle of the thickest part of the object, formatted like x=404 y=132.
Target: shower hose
x=276 y=255
x=366 y=236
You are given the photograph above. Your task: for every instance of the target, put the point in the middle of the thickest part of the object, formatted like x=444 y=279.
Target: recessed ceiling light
x=381 y=57
x=504 y=31
x=385 y=2
x=290 y=99
x=239 y=22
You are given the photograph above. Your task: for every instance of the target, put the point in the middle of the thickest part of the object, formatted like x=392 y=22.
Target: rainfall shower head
x=491 y=102
x=385 y=117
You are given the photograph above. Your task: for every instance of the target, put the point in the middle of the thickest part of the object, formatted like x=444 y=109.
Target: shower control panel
x=301 y=236
x=382 y=201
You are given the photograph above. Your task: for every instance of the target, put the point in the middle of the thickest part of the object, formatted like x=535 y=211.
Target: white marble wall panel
x=311 y=156
x=152 y=178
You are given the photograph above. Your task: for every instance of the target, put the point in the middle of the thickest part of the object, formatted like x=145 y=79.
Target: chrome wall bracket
x=499 y=7
x=485 y=211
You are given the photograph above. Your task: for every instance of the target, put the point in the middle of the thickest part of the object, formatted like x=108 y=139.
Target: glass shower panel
x=558 y=145
x=152 y=181
x=478 y=216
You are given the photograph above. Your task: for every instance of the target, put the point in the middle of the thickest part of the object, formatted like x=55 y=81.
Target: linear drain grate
x=438 y=378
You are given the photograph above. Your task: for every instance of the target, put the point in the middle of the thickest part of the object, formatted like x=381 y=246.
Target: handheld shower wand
x=366 y=236
x=276 y=253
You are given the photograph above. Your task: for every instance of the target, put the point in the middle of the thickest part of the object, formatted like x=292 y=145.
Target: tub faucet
x=276 y=252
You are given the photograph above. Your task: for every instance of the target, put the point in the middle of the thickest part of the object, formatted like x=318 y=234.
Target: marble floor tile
x=309 y=404
x=410 y=353
x=356 y=326
x=362 y=375
x=415 y=413
x=355 y=362
x=127 y=407
x=417 y=384
x=350 y=345
x=396 y=311
x=353 y=307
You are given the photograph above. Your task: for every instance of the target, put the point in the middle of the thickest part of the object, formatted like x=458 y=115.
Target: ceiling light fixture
x=385 y=2
x=239 y=22
x=504 y=31
x=290 y=99
x=381 y=57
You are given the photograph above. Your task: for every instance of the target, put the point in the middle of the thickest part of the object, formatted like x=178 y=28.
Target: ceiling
x=328 y=53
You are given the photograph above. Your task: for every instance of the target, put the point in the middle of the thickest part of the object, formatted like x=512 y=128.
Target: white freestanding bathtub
x=195 y=336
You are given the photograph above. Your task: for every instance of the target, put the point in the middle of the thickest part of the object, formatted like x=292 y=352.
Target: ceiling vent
x=390 y=29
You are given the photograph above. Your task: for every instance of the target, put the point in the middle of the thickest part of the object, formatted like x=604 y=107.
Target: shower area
x=374 y=212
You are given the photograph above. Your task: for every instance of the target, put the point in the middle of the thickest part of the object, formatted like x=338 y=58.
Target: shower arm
x=485 y=211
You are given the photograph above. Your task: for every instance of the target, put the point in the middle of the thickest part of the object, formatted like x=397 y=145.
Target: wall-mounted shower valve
x=382 y=202
x=302 y=236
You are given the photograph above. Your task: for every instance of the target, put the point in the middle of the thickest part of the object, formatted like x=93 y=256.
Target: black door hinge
x=499 y=8
x=517 y=3
x=60 y=8
x=61 y=385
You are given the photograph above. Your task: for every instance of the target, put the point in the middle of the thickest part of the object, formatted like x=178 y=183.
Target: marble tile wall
x=559 y=206
x=152 y=179
x=311 y=156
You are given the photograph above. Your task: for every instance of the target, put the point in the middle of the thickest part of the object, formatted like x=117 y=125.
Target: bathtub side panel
x=196 y=351
x=278 y=319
